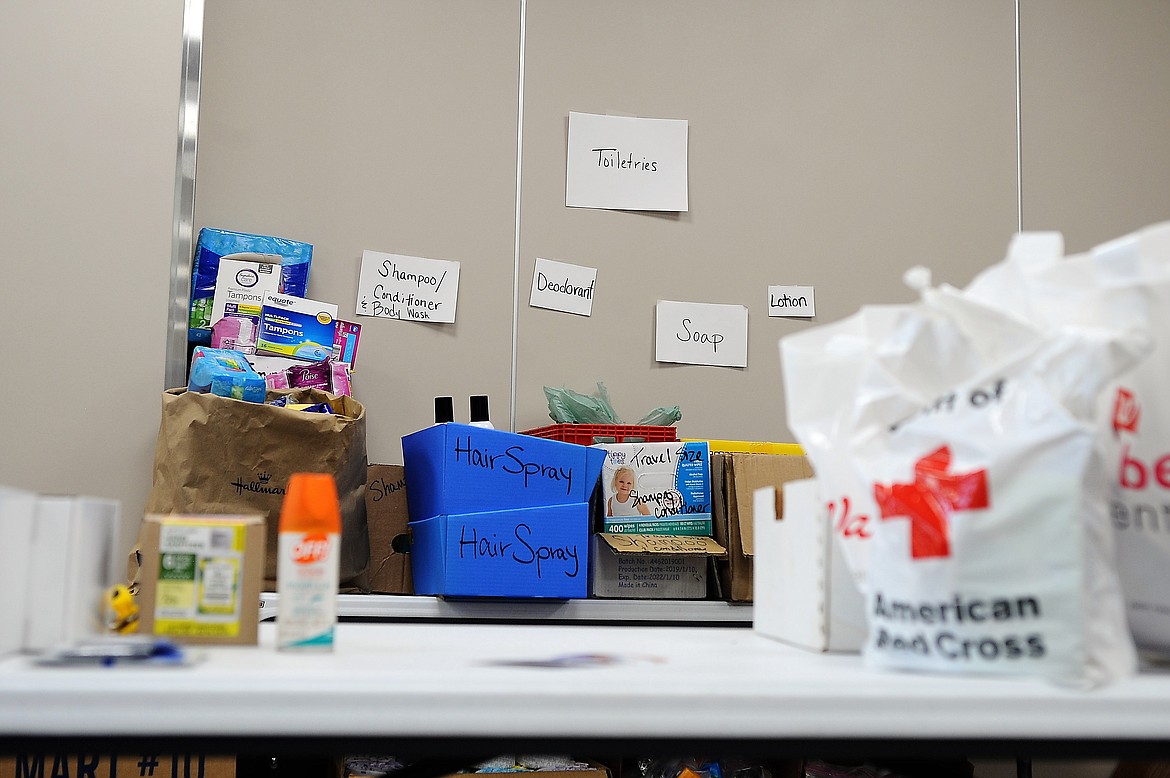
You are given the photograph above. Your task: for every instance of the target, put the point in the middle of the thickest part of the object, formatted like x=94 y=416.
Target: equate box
x=458 y=468
x=296 y=327
x=656 y=488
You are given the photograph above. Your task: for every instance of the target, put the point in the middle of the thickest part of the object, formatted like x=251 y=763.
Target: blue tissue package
x=538 y=552
x=457 y=468
x=225 y=373
x=239 y=386
x=214 y=244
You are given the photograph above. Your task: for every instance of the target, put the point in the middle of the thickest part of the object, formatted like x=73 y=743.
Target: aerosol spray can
x=309 y=563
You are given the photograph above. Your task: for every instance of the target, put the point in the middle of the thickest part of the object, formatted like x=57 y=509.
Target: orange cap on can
x=310 y=504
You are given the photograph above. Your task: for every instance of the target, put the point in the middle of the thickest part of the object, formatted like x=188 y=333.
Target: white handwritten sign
x=700 y=333
x=563 y=287
x=791 y=301
x=626 y=163
x=394 y=286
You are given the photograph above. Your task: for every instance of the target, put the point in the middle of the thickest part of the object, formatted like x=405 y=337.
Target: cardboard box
x=752 y=447
x=387 y=516
x=520 y=552
x=804 y=593
x=200 y=577
x=672 y=567
x=735 y=477
x=53 y=764
x=456 y=468
x=657 y=488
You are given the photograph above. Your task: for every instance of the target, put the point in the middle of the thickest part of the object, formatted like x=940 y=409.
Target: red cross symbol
x=930 y=500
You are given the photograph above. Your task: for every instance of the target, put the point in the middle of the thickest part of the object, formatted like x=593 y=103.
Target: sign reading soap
x=657 y=488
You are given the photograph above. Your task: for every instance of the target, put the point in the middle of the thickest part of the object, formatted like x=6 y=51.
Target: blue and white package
x=239 y=386
x=215 y=244
x=657 y=488
x=225 y=373
x=296 y=327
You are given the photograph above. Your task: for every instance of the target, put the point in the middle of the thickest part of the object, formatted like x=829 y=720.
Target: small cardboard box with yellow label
x=200 y=577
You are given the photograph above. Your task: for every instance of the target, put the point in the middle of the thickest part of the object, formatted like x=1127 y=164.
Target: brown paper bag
x=219 y=455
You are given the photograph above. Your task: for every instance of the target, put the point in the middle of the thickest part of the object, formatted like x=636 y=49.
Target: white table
x=385 y=607
x=452 y=687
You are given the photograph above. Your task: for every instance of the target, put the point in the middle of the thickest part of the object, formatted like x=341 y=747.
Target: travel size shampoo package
x=657 y=488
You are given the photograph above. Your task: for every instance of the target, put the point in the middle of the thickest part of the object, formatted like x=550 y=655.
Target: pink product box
x=345 y=342
x=289 y=373
x=331 y=376
x=236 y=333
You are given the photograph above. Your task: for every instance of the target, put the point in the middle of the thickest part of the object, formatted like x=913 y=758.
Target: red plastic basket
x=588 y=434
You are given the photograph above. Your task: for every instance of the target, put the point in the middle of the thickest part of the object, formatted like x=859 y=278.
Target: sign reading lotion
x=626 y=163
x=563 y=287
x=700 y=333
x=791 y=301
x=393 y=286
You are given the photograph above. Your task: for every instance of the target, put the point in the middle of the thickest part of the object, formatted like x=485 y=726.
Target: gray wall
x=831 y=143
x=89 y=101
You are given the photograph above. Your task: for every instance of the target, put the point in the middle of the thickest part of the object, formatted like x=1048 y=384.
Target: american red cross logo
x=930 y=500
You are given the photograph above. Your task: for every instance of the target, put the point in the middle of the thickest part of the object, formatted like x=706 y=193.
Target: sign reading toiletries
x=394 y=286
x=626 y=163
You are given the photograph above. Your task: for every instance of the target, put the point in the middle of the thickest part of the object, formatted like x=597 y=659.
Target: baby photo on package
x=657 y=488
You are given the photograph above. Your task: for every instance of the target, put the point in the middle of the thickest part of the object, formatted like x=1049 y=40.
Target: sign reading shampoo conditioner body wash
x=394 y=286
x=700 y=333
x=626 y=163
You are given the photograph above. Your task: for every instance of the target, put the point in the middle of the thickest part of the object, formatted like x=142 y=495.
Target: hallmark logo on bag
x=259 y=486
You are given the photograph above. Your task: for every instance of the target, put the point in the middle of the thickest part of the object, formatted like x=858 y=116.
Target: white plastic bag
x=1128 y=283
x=824 y=369
x=992 y=551
x=1006 y=378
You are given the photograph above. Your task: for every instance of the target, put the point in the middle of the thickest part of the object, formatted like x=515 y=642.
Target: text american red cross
x=929 y=501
